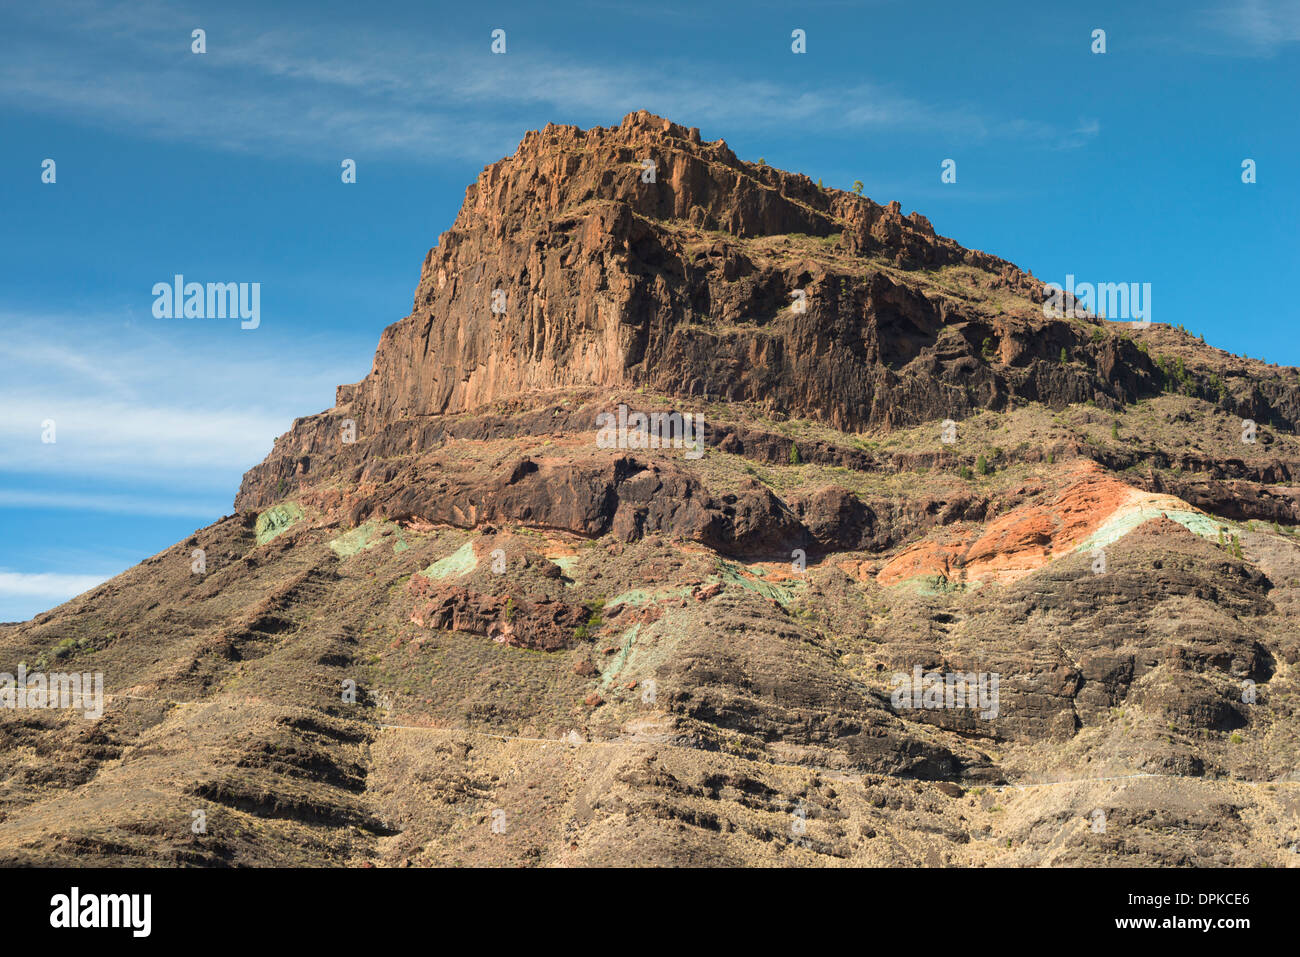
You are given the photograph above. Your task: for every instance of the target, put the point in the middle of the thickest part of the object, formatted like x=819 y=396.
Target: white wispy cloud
x=47 y=585
x=1084 y=132
x=313 y=89
x=128 y=405
x=1256 y=27
x=95 y=434
x=118 y=504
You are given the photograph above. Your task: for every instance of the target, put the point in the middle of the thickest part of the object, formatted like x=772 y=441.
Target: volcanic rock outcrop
x=449 y=624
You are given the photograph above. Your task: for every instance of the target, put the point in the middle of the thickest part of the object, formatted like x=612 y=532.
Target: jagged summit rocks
x=569 y=264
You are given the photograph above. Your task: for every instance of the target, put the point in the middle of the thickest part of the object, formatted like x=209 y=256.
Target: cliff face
x=604 y=278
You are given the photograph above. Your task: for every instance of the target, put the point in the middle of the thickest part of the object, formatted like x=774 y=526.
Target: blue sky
x=225 y=167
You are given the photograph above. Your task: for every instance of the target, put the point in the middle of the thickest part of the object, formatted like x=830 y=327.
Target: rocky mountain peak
x=447 y=598
x=642 y=256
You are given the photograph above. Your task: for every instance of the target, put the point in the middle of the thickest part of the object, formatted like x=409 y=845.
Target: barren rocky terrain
x=570 y=654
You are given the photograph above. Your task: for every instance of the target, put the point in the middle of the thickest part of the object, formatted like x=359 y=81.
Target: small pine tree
x=982 y=465
x=794 y=455
x=857 y=187
x=1114 y=429
x=761 y=161
x=819 y=183
x=1064 y=357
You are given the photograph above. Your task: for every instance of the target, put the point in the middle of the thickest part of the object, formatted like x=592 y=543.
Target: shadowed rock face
x=641 y=655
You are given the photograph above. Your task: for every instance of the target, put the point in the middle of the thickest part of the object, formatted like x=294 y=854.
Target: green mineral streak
x=349 y=543
x=642 y=596
x=731 y=573
x=617 y=665
x=460 y=562
x=276 y=519
x=1120 y=525
x=728 y=573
